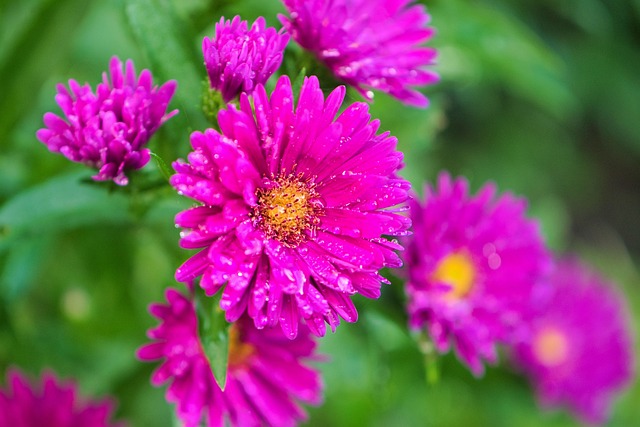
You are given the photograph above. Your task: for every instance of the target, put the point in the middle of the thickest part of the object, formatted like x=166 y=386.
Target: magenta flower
x=237 y=59
x=108 y=130
x=51 y=404
x=368 y=44
x=580 y=353
x=294 y=203
x=474 y=263
x=265 y=375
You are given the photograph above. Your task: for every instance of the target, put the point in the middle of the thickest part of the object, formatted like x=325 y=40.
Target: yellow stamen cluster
x=287 y=208
x=239 y=351
x=458 y=271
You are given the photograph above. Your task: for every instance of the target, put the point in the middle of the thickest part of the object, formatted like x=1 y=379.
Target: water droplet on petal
x=330 y=53
x=494 y=261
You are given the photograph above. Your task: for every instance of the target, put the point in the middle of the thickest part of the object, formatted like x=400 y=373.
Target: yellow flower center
x=456 y=270
x=287 y=208
x=239 y=351
x=550 y=347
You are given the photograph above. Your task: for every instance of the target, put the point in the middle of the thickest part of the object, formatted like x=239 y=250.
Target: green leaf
x=175 y=420
x=296 y=85
x=46 y=36
x=58 y=204
x=213 y=329
x=481 y=43
x=167 y=42
x=385 y=332
x=22 y=266
x=162 y=165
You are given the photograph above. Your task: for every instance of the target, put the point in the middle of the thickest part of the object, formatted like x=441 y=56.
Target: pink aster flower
x=51 y=404
x=265 y=376
x=294 y=204
x=108 y=130
x=369 y=44
x=237 y=59
x=580 y=353
x=474 y=263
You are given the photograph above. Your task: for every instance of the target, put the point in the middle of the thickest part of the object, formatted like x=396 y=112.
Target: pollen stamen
x=288 y=209
x=458 y=271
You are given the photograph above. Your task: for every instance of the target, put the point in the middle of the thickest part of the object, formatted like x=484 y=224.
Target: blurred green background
x=541 y=96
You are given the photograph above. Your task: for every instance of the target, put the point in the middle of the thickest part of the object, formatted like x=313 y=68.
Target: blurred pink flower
x=580 y=354
x=108 y=130
x=265 y=377
x=368 y=44
x=50 y=404
x=237 y=58
x=294 y=206
x=474 y=263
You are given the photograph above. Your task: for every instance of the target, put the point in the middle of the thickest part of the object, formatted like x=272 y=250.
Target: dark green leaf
x=22 y=265
x=167 y=42
x=486 y=43
x=45 y=36
x=61 y=203
x=213 y=329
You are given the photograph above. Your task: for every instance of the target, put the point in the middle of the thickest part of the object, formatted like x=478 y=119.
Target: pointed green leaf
x=213 y=329
x=297 y=82
x=162 y=165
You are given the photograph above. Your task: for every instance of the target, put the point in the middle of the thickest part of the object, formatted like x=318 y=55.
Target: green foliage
x=61 y=203
x=214 y=334
x=543 y=97
x=43 y=31
x=167 y=42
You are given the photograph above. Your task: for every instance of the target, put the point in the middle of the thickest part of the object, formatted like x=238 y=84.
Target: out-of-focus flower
x=108 y=130
x=265 y=376
x=237 y=59
x=580 y=354
x=51 y=404
x=474 y=263
x=368 y=44
x=294 y=206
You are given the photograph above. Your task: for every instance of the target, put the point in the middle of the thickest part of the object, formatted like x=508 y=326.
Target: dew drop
x=330 y=53
x=494 y=261
x=343 y=282
x=488 y=249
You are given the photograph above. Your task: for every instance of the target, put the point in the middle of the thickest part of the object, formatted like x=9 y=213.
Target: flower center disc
x=550 y=347
x=456 y=270
x=287 y=207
